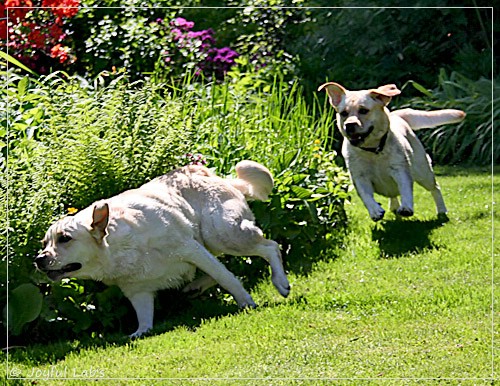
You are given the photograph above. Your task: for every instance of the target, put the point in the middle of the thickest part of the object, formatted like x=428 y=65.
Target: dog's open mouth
x=357 y=139
x=57 y=274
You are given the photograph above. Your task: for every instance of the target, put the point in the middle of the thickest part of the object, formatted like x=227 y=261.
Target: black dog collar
x=380 y=146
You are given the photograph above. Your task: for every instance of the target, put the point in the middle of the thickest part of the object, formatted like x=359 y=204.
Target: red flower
x=3 y=30
x=62 y=8
x=37 y=38
x=58 y=51
x=56 y=32
x=18 y=9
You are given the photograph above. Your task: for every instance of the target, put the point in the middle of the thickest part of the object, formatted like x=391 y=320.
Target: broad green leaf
x=24 y=306
x=301 y=192
x=21 y=86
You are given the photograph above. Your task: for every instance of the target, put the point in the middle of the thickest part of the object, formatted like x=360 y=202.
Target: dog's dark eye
x=64 y=239
x=363 y=111
x=344 y=114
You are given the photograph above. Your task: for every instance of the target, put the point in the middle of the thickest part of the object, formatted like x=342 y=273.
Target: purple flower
x=182 y=23
x=178 y=34
x=195 y=159
x=206 y=34
x=224 y=55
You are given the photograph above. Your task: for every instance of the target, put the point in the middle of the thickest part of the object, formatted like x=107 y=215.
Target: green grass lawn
x=399 y=302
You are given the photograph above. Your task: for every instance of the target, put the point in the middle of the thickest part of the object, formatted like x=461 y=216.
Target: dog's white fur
x=381 y=151
x=155 y=237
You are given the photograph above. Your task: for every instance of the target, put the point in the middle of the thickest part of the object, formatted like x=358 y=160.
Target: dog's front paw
x=138 y=333
x=404 y=211
x=378 y=214
x=247 y=302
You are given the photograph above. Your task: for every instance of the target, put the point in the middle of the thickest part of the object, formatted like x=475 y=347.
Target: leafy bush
x=71 y=142
x=144 y=41
x=470 y=141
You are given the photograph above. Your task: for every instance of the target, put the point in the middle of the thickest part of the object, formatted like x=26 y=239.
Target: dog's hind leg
x=198 y=255
x=244 y=238
x=436 y=195
x=438 y=199
x=270 y=251
x=427 y=180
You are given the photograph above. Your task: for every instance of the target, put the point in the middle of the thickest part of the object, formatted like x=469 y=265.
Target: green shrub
x=470 y=141
x=71 y=142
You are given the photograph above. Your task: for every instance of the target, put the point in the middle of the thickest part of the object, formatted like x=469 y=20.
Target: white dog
x=381 y=150
x=155 y=237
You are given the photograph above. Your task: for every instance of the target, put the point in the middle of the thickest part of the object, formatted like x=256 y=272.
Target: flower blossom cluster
x=195 y=159
x=33 y=31
x=197 y=47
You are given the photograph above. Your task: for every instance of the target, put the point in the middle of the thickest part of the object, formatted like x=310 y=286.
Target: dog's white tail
x=427 y=119
x=254 y=180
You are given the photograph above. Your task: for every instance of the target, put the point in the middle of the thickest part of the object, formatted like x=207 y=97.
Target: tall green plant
x=273 y=124
x=470 y=141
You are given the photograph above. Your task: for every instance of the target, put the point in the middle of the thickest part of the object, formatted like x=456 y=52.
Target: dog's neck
x=379 y=147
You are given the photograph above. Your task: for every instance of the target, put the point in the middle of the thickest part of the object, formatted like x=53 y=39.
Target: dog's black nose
x=41 y=261
x=350 y=128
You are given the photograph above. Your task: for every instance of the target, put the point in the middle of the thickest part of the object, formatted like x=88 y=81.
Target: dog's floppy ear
x=385 y=93
x=336 y=93
x=100 y=218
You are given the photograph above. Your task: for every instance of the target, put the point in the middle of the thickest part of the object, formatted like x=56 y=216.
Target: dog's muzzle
x=45 y=263
x=354 y=137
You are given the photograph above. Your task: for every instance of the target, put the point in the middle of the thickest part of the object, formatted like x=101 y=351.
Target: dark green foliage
x=470 y=141
x=363 y=48
x=357 y=47
x=109 y=35
x=24 y=306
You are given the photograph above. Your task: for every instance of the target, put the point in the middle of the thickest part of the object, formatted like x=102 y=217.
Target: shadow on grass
x=400 y=237
x=173 y=309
